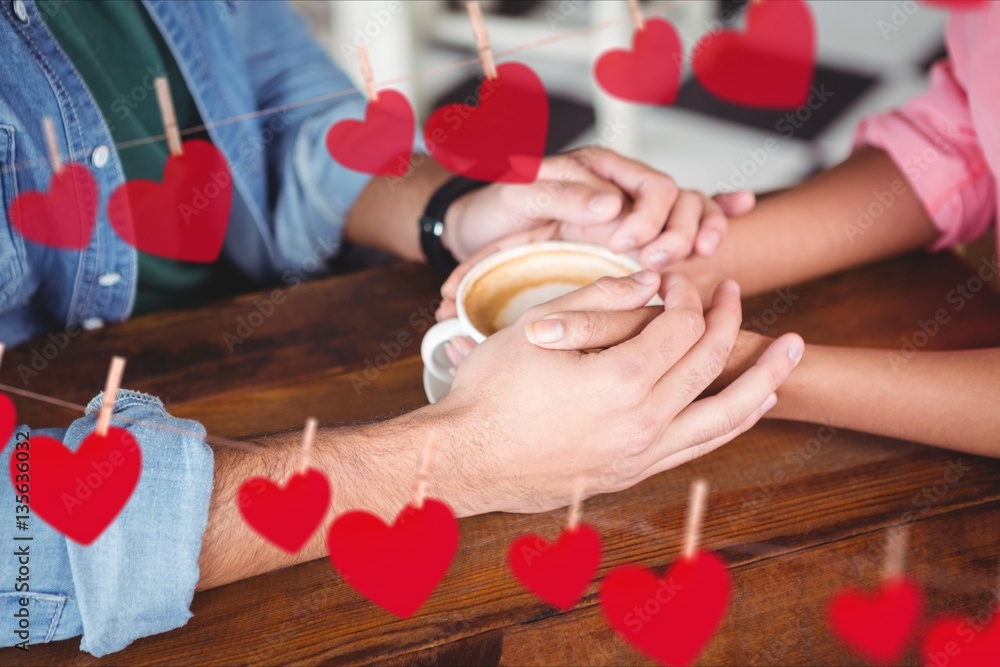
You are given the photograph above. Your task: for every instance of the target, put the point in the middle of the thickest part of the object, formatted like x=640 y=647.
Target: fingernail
x=463 y=346
x=768 y=404
x=710 y=241
x=795 y=350
x=604 y=203
x=731 y=285
x=659 y=259
x=623 y=244
x=646 y=277
x=545 y=331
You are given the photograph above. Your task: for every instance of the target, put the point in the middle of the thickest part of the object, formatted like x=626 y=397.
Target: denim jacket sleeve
x=138 y=578
x=287 y=67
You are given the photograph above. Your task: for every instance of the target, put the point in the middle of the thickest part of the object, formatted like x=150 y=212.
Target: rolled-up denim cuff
x=138 y=578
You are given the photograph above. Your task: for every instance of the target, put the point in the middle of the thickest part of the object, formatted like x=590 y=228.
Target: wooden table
x=797 y=510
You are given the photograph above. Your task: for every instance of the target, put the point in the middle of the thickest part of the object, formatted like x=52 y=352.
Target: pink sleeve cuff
x=934 y=143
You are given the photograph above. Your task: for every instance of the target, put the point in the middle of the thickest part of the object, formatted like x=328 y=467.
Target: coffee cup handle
x=436 y=336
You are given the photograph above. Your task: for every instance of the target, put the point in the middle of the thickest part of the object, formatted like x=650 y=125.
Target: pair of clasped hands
x=632 y=409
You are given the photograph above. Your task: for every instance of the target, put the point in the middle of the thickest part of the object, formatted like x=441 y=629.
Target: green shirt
x=118 y=51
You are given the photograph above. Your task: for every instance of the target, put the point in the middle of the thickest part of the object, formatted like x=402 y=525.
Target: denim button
x=92 y=323
x=109 y=279
x=20 y=11
x=99 y=157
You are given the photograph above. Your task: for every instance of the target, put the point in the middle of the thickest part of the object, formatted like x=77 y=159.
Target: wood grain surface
x=797 y=510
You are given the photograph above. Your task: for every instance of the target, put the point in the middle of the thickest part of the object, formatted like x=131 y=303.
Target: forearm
x=386 y=214
x=370 y=467
x=861 y=211
x=947 y=399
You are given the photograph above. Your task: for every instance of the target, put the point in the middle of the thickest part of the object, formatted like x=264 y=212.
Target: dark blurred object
x=501 y=7
x=832 y=92
x=567 y=119
x=729 y=9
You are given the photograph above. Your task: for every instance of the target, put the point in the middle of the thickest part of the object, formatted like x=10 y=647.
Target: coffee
x=496 y=298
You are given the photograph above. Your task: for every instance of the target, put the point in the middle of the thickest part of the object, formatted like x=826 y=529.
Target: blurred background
x=872 y=55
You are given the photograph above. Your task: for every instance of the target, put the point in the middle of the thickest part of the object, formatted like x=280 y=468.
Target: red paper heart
x=670 y=619
x=651 y=72
x=769 y=66
x=877 y=626
x=397 y=567
x=8 y=420
x=80 y=493
x=382 y=143
x=954 y=641
x=288 y=515
x=958 y=5
x=64 y=216
x=186 y=216
x=557 y=573
x=502 y=139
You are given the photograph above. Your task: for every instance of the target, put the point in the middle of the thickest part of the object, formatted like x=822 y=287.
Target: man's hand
x=532 y=420
x=597 y=196
x=522 y=423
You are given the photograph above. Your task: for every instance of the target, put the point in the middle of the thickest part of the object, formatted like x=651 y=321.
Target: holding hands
x=616 y=416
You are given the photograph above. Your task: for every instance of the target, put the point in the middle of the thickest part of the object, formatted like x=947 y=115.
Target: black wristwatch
x=438 y=257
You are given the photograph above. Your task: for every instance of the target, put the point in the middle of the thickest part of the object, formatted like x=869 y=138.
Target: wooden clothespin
x=366 y=73
x=423 y=474
x=111 y=386
x=308 y=438
x=895 y=553
x=55 y=158
x=170 y=128
x=2 y=349
x=482 y=38
x=637 y=18
x=696 y=512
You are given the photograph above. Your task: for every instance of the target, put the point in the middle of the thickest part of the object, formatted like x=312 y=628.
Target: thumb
x=736 y=203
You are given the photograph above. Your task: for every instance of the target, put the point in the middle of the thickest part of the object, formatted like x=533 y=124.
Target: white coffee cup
x=497 y=291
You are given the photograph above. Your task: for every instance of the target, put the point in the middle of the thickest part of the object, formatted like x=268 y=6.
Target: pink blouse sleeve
x=932 y=139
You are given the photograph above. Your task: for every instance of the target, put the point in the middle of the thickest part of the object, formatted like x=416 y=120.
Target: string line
x=210 y=439
x=462 y=64
x=124 y=145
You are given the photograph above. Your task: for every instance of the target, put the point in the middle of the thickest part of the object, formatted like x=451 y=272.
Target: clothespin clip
x=696 y=513
x=636 y=11
x=113 y=383
x=169 y=116
x=482 y=38
x=55 y=159
x=366 y=74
